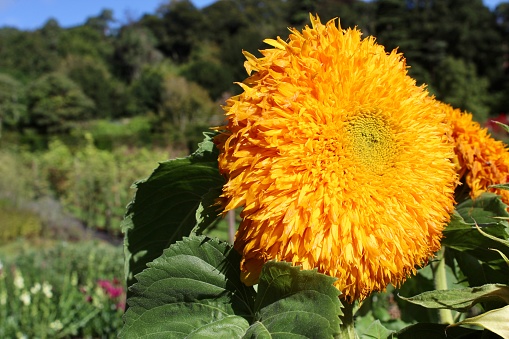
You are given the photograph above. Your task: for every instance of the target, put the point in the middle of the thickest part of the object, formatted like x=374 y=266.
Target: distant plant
x=54 y=102
x=66 y=291
x=91 y=183
x=17 y=222
x=12 y=105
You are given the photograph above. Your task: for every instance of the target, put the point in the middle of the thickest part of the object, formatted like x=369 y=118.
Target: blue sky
x=32 y=14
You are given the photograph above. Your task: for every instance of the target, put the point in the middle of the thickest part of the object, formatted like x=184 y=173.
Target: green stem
x=440 y=281
x=347 y=329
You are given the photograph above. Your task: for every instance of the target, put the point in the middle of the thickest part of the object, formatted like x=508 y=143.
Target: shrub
x=17 y=222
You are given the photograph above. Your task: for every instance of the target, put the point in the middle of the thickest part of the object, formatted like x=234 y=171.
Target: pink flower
x=113 y=290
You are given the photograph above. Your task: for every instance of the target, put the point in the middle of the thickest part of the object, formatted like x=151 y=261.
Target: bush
x=135 y=132
x=15 y=177
x=17 y=222
x=93 y=184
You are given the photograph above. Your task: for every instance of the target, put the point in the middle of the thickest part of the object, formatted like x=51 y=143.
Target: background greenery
x=86 y=111
x=53 y=79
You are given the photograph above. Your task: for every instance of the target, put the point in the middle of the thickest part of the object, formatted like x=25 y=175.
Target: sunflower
x=339 y=160
x=481 y=160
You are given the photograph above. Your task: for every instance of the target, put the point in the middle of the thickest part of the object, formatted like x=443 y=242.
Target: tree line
x=175 y=65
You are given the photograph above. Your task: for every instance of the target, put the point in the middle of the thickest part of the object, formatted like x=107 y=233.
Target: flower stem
x=440 y=281
x=347 y=329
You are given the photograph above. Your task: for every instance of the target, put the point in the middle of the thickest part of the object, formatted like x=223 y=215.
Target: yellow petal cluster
x=481 y=160
x=339 y=161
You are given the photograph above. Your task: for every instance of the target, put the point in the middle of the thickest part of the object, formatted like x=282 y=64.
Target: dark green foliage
x=147 y=90
x=455 y=47
x=26 y=54
x=460 y=86
x=54 y=102
x=451 y=44
x=194 y=289
x=101 y=22
x=210 y=75
x=12 y=102
x=177 y=27
x=134 y=49
x=167 y=205
x=97 y=83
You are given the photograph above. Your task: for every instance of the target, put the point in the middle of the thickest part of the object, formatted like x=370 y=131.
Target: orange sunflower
x=481 y=160
x=339 y=160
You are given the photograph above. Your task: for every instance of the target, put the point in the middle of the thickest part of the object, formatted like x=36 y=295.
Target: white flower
x=56 y=325
x=36 y=288
x=19 y=282
x=25 y=298
x=46 y=289
x=20 y=335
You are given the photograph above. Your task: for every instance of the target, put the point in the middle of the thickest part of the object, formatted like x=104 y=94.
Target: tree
x=26 y=54
x=12 y=103
x=102 y=22
x=460 y=86
x=176 y=26
x=54 y=102
x=97 y=83
x=186 y=110
x=134 y=48
x=445 y=36
x=206 y=68
x=145 y=91
x=86 y=40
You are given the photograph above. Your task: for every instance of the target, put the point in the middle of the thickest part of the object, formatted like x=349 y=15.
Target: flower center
x=371 y=141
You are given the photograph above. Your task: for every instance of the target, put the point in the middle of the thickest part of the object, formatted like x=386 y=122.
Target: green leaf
x=169 y=204
x=435 y=331
x=485 y=210
x=295 y=303
x=471 y=248
x=504 y=126
x=479 y=273
x=497 y=321
x=376 y=331
x=504 y=244
x=194 y=288
x=500 y=186
x=461 y=234
x=461 y=299
x=502 y=255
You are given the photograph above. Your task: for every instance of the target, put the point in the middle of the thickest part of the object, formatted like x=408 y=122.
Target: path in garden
x=65 y=226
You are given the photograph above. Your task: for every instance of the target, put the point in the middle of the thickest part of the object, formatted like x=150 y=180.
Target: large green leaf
x=472 y=248
x=167 y=206
x=497 y=321
x=376 y=331
x=295 y=303
x=503 y=247
x=194 y=288
x=478 y=273
x=461 y=299
x=485 y=210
